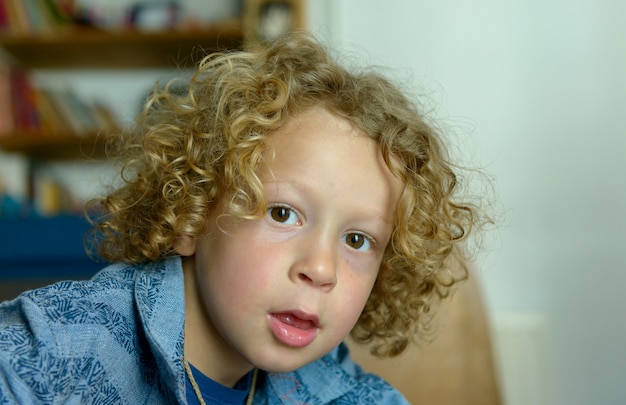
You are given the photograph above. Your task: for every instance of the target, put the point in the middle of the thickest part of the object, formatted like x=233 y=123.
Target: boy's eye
x=357 y=241
x=283 y=215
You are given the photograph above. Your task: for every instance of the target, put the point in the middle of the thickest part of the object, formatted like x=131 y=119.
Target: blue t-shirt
x=215 y=393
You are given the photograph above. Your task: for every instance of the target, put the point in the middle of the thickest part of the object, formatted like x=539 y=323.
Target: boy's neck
x=204 y=346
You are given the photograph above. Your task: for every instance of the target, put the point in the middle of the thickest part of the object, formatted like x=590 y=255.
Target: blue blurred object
x=36 y=247
x=9 y=206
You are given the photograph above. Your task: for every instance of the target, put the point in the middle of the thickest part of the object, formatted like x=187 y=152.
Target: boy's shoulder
x=44 y=312
x=59 y=297
x=88 y=330
x=112 y=290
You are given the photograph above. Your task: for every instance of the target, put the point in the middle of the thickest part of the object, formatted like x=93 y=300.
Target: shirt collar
x=326 y=379
x=160 y=299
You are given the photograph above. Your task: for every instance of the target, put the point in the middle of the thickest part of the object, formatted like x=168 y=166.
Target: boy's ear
x=185 y=245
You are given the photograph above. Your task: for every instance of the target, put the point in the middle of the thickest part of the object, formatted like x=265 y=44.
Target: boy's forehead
x=320 y=149
x=311 y=130
x=314 y=123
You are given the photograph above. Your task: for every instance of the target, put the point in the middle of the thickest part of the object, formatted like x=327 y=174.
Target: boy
x=279 y=205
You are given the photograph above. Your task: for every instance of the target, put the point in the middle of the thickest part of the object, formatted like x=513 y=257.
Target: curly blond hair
x=192 y=148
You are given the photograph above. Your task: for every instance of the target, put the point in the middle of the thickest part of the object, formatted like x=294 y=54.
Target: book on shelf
x=6 y=110
x=4 y=17
x=30 y=16
x=26 y=109
x=14 y=21
x=52 y=198
x=51 y=117
x=24 y=114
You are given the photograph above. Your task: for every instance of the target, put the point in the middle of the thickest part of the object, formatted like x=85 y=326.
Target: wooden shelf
x=92 y=48
x=55 y=146
x=81 y=47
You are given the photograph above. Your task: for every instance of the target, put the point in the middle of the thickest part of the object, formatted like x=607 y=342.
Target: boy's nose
x=316 y=265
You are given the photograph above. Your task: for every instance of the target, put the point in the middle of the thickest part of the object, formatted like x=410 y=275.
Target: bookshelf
x=47 y=247
x=93 y=48
x=40 y=36
x=55 y=146
x=82 y=48
x=38 y=247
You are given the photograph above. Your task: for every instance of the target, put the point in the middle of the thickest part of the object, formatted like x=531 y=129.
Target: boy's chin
x=285 y=363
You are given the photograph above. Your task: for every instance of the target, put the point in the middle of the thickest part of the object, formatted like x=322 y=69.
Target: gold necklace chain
x=196 y=389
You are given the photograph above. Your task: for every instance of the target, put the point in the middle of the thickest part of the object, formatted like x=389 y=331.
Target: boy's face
x=282 y=291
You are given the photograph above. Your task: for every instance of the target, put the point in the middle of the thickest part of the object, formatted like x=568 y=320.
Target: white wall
x=536 y=93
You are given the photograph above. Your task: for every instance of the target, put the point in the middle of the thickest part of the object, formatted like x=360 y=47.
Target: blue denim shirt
x=118 y=339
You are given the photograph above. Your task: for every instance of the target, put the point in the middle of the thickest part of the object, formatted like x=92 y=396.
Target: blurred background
x=533 y=93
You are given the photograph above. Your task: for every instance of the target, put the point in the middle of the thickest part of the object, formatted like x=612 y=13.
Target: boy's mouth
x=294 y=328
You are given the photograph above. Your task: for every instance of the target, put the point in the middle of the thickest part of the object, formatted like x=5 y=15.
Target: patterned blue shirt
x=118 y=339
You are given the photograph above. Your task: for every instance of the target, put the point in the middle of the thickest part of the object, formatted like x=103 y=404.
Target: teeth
x=294 y=321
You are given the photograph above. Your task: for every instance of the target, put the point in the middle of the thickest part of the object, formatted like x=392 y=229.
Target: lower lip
x=291 y=335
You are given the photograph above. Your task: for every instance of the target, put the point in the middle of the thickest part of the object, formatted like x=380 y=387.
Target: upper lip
x=301 y=315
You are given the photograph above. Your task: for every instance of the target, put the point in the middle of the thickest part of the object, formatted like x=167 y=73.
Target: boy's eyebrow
x=286 y=179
